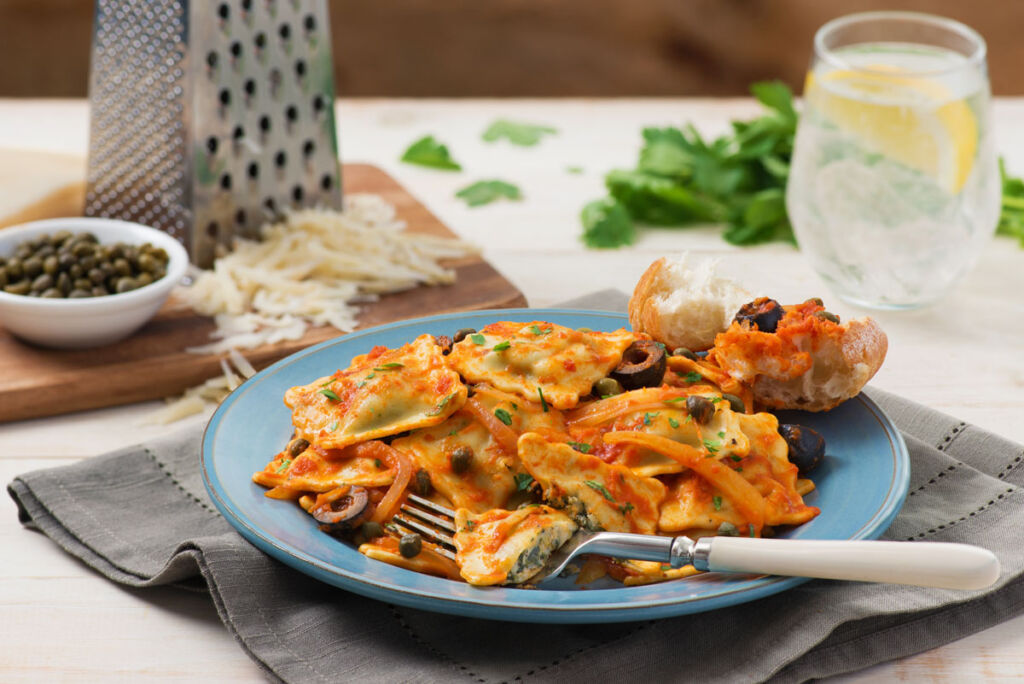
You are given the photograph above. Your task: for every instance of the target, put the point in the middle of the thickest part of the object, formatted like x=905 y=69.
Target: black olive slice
x=806 y=446
x=344 y=513
x=643 y=365
x=764 y=313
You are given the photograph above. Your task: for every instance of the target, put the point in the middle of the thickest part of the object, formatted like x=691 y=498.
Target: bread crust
x=643 y=315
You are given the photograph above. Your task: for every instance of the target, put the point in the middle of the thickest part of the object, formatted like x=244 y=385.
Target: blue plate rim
x=754 y=587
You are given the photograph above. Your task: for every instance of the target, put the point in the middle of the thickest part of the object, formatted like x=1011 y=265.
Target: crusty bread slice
x=809 y=363
x=684 y=304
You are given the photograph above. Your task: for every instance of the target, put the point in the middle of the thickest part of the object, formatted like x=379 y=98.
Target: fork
x=924 y=564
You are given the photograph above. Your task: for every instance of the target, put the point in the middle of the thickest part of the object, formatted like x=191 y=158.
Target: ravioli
x=539 y=359
x=508 y=547
x=693 y=504
x=491 y=478
x=599 y=496
x=381 y=393
x=316 y=470
x=659 y=411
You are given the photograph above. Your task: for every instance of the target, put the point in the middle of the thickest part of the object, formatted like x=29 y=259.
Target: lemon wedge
x=911 y=120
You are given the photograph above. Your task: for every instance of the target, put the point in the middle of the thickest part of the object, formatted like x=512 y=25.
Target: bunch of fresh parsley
x=681 y=179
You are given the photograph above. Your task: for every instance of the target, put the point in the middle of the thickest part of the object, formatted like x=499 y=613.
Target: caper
x=50 y=265
x=422 y=483
x=826 y=316
x=126 y=285
x=122 y=267
x=15 y=270
x=87 y=263
x=82 y=284
x=144 y=279
x=62 y=236
x=44 y=281
x=462 y=459
x=147 y=263
x=79 y=293
x=45 y=251
x=727 y=529
x=371 y=530
x=161 y=254
x=52 y=293
x=33 y=266
x=463 y=333
x=66 y=260
x=685 y=353
x=817 y=300
x=24 y=252
x=89 y=237
x=3 y=276
x=33 y=293
x=114 y=251
x=64 y=283
x=159 y=273
x=108 y=269
x=297 y=446
x=83 y=249
x=20 y=287
x=700 y=408
x=410 y=545
x=98 y=291
x=96 y=276
x=606 y=387
x=735 y=403
x=76 y=271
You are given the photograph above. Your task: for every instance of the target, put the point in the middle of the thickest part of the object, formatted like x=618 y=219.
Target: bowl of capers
x=84 y=282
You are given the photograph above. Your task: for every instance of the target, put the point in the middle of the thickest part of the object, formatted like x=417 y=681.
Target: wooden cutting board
x=152 y=363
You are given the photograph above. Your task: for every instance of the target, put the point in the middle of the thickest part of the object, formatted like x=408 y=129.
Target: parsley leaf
x=606 y=224
x=751 y=528
x=536 y=330
x=504 y=416
x=693 y=376
x=334 y=426
x=501 y=346
x=284 y=465
x=712 y=446
x=330 y=395
x=543 y=402
x=377 y=463
x=487 y=191
x=388 y=366
x=626 y=508
x=1011 y=220
x=717 y=501
x=648 y=417
x=598 y=487
x=427 y=151
x=581 y=447
x=523 y=481
x=439 y=409
x=674 y=400
x=478 y=338
x=517 y=132
x=673 y=422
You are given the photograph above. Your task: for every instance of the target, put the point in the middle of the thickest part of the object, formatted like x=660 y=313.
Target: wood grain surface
x=153 y=363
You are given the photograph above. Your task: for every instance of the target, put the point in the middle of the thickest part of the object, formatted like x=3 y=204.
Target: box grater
x=209 y=118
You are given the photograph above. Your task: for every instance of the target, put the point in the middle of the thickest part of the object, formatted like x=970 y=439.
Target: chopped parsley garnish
x=736 y=457
x=504 y=416
x=673 y=422
x=478 y=338
x=334 y=426
x=377 y=463
x=517 y=132
x=487 y=191
x=625 y=508
x=439 y=409
x=543 y=401
x=330 y=395
x=470 y=524
x=717 y=501
x=361 y=385
x=721 y=433
x=581 y=447
x=693 y=376
x=600 y=488
x=535 y=329
x=715 y=400
x=674 y=400
x=751 y=528
x=523 y=481
x=371 y=376
x=689 y=418
x=327 y=383
x=389 y=366
x=284 y=465
x=428 y=151
x=712 y=445
x=501 y=346
x=648 y=417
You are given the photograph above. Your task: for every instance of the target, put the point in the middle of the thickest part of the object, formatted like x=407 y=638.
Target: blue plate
x=860 y=488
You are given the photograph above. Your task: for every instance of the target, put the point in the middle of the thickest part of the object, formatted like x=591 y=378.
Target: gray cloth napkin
x=141 y=517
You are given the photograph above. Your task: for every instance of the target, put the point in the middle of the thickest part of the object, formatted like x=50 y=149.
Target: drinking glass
x=894 y=186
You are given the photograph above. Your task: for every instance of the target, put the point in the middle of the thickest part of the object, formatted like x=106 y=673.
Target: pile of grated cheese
x=312 y=269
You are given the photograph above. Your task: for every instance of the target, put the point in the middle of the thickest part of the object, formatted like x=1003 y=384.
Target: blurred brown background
x=529 y=47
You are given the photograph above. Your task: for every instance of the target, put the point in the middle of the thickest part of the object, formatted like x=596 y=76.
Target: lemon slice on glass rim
x=914 y=121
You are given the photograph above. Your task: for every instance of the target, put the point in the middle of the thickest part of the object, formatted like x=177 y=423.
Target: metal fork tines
x=436 y=523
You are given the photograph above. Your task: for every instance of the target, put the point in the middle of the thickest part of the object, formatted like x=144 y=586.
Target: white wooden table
x=59 y=621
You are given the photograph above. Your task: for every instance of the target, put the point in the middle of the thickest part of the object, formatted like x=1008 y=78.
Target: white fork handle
x=924 y=564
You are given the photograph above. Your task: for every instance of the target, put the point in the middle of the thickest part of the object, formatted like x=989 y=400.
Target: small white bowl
x=93 y=321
